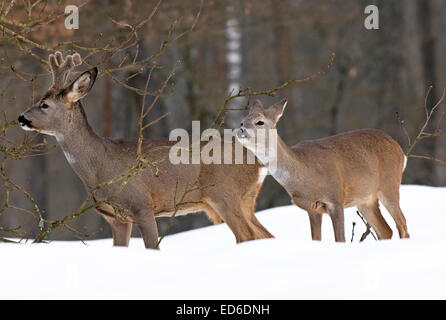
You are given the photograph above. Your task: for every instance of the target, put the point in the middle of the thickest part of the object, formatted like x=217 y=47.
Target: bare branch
x=423 y=134
x=248 y=93
x=368 y=229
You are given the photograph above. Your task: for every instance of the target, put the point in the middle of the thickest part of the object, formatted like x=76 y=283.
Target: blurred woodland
x=222 y=45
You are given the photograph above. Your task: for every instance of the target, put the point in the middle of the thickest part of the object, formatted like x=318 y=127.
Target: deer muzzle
x=24 y=123
x=242 y=133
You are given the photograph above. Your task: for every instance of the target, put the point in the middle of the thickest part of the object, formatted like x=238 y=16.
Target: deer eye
x=44 y=106
x=259 y=123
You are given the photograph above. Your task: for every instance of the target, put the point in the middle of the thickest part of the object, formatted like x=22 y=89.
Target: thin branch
x=248 y=93
x=422 y=133
x=368 y=228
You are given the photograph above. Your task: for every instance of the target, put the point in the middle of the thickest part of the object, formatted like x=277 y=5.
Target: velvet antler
x=61 y=68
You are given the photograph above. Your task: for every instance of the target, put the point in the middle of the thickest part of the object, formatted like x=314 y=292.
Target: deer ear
x=276 y=110
x=256 y=107
x=82 y=85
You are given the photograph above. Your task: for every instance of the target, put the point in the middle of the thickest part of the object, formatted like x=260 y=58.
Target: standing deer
x=355 y=168
x=226 y=191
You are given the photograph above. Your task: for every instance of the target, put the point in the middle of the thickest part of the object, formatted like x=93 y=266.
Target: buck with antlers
x=355 y=168
x=226 y=191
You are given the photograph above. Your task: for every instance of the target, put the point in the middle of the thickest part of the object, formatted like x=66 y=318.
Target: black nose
x=23 y=121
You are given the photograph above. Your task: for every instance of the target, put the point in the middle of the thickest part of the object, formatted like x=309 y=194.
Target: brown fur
x=225 y=192
x=355 y=168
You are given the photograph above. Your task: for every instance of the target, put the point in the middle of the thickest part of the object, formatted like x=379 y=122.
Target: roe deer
x=226 y=191
x=355 y=168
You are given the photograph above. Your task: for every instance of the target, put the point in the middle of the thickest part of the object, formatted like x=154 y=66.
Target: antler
x=60 y=68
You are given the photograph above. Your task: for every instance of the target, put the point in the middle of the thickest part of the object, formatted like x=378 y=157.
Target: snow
x=207 y=264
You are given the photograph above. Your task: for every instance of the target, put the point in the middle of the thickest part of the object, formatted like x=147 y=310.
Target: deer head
x=257 y=130
x=59 y=109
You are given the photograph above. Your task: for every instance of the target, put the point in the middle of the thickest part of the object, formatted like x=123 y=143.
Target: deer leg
x=247 y=205
x=259 y=231
x=391 y=202
x=336 y=212
x=315 y=224
x=213 y=215
x=234 y=218
x=121 y=231
x=314 y=216
x=374 y=217
x=148 y=229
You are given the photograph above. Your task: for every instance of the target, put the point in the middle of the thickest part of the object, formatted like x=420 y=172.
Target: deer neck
x=284 y=165
x=83 y=149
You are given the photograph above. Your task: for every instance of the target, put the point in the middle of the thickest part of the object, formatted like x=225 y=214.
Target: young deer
x=226 y=191
x=355 y=168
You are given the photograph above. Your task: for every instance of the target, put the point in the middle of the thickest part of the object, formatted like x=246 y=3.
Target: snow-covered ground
x=207 y=264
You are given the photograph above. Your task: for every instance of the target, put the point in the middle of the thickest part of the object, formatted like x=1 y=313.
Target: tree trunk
x=425 y=18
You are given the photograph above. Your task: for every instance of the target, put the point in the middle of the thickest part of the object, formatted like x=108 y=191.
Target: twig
x=423 y=134
x=353 y=231
x=177 y=206
x=369 y=228
x=248 y=93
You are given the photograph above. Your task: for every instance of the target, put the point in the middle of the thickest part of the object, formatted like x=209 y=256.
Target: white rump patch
x=405 y=162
